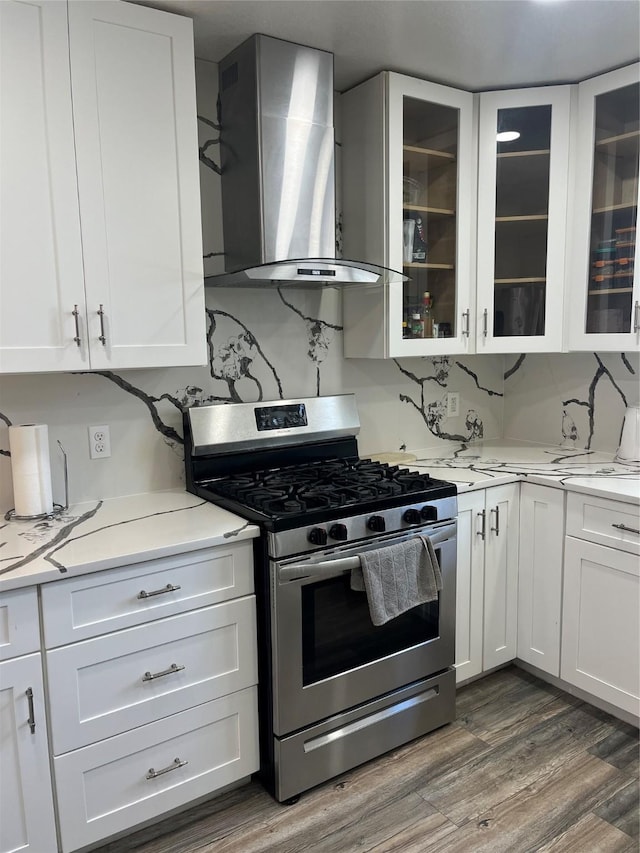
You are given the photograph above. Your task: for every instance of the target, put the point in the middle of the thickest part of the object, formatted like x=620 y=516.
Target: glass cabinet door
x=430 y=204
x=522 y=208
x=614 y=210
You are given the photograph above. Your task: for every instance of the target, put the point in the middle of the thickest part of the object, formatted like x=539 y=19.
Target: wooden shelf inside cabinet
x=625 y=144
x=537 y=153
x=530 y=217
x=432 y=211
x=609 y=291
x=505 y=282
x=429 y=266
x=417 y=157
x=612 y=208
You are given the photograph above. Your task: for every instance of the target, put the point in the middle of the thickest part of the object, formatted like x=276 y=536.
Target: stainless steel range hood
x=277 y=163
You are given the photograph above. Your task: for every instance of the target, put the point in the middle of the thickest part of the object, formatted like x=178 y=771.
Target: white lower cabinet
x=117 y=783
x=26 y=798
x=152 y=674
x=540 y=576
x=487 y=580
x=600 y=625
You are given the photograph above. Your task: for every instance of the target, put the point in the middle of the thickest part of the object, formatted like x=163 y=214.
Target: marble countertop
x=491 y=463
x=103 y=534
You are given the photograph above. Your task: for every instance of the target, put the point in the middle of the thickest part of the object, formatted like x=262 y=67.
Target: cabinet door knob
x=496 y=529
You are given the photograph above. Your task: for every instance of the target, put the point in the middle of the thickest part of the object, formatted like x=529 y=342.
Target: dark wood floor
x=525 y=767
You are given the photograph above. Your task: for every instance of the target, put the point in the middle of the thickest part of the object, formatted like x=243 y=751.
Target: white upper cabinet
x=604 y=282
x=122 y=241
x=408 y=171
x=522 y=219
x=41 y=276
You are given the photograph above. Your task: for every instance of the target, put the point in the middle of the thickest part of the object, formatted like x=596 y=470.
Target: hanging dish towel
x=398 y=577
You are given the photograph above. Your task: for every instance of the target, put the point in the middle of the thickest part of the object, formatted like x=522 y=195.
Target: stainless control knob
x=317 y=536
x=412 y=516
x=338 y=531
x=376 y=523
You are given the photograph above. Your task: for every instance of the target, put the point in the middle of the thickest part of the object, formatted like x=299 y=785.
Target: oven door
x=328 y=655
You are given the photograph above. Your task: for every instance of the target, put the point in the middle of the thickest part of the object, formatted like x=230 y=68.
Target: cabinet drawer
x=87 y=606
x=105 y=686
x=604 y=521
x=104 y=788
x=19 y=626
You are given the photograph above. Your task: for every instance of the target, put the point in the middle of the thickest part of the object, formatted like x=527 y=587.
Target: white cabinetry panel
x=105 y=788
x=83 y=607
x=604 y=521
x=26 y=800
x=540 y=576
x=600 y=630
x=19 y=625
x=41 y=273
x=137 y=158
x=110 y=684
x=469 y=585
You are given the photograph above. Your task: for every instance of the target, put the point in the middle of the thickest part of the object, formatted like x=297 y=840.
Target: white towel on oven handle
x=398 y=577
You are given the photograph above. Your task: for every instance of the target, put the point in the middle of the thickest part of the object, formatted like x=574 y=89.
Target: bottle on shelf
x=416 y=326
x=427 y=315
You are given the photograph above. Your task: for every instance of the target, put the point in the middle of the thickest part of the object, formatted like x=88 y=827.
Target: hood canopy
x=277 y=165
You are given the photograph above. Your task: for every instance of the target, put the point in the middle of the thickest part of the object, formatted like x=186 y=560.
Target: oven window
x=338 y=634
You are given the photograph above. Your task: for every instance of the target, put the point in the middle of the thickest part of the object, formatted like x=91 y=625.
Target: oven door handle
x=437 y=534
x=342 y=564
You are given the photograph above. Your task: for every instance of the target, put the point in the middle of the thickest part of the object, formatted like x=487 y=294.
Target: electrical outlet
x=453 y=404
x=99 y=442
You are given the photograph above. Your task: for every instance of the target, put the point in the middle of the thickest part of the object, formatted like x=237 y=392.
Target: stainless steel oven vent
x=278 y=170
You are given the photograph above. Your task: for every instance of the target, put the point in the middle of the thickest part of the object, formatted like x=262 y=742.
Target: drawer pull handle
x=152 y=774
x=168 y=588
x=497 y=527
x=32 y=716
x=149 y=676
x=624 y=527
x=482 y=533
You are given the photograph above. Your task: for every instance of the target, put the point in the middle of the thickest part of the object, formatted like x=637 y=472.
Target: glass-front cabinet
x=408 y=172
x=605 y=285
x=522 y=214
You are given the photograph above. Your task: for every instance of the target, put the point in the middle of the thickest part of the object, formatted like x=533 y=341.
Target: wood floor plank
x=537 y=814
x=414 y=838
x=518 y=705
x=591 y=834
x=621 y=810
x=513 y=765
x=620 y=749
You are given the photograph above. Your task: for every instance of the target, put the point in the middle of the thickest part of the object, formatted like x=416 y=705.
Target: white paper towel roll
x=31 y=469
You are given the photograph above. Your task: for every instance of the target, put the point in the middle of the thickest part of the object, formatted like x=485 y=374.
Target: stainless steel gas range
x=334 y=689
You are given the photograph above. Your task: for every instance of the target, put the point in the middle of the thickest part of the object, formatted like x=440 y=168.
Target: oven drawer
x=19 y=625
x=94 y=604
x=104 y=788
x=107 y=685
x=604 y=521
x=342 y=742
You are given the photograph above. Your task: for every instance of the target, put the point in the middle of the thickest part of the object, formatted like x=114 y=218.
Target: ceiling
x=472 y=44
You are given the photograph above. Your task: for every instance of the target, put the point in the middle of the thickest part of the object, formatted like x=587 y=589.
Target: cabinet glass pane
x=613 y=211
x=429 y=191
x=522 y=217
